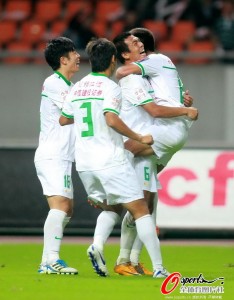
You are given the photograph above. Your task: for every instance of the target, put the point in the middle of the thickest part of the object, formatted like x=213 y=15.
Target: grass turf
x=19 y=279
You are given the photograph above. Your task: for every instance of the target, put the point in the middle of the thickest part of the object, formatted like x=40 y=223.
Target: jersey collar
x=98 y=74
x=65 y=79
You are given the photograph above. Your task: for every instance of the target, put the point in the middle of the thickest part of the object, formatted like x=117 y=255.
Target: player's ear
x=63 y=60
x=125 y=55
x=113 y=59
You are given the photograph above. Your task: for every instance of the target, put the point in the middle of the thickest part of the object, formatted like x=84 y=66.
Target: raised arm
x=159 y=111
x=126 y=70
x=118 y=125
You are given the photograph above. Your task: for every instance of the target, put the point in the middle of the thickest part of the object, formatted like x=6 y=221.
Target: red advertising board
x=197 y=190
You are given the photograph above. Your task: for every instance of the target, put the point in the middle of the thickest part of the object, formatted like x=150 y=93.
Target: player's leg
x=55 y=177
x=169 y=137
x=106 y=220
x=130 y=244
x=129 y=191
x=115 y=185
x=138 y=244
x=47 y=225
x=128 y=262
x=147 y=234
x=104 y=226
x=128 y=235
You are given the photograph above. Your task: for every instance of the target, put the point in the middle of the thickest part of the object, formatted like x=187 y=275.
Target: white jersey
x=136 y=91
x=164 y=78
x=55 y=141
x=97 y=145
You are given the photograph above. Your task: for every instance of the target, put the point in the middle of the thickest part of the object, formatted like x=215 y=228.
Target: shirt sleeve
x=149 y=66
x=67 y=110
x=136 y=90
x=56 y=91
x=112 y=99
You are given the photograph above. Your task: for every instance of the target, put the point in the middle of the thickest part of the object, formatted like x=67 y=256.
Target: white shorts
x=146 y=170
x=55 y=177
x=117 y=184
x=169 y=137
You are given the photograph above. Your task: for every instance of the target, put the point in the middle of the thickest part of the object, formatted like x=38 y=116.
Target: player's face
x=136 y=48
x=73 y=62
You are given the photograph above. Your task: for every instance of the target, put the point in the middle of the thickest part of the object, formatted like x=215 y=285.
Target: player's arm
x=159 y=111
x=138 y=149
x=65 y=119
x=118 y=125
x=127 y=70
x=135 y=69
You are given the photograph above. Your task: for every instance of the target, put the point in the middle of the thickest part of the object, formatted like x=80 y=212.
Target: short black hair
x=100 y=52
x=146 y=36
x=121 y=46
x=56 y=48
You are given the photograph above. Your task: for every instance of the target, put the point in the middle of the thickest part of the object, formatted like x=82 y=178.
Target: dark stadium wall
x=23 y=208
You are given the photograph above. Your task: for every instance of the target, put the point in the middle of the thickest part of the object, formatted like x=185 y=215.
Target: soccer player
x=138 y=105
x=94 y=105
x=170 y=135
x=55 y=152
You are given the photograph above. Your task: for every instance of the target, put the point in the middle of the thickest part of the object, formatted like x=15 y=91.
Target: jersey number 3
x=88 y=120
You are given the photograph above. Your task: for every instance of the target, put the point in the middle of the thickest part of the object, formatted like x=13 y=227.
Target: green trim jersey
x=169 y=134
x=164 y=78
x=98 y=146
x=136 y=91
x=55 y=141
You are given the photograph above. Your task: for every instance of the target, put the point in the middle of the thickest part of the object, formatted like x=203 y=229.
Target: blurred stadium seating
x=8 y=31
x=183 y=32
x=17 y=10
x=47 y=11
x=29 y=23
x=203 y=50
x=159 y=29
x=20 y=52
x=171 y=48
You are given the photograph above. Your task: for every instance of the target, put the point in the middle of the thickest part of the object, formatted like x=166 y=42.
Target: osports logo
x=203 y=285
x=172 y=278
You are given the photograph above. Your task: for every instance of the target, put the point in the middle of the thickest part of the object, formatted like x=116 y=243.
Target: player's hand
x=188 y=99
x=146 y=139
x=192 y=113
x=92 y=203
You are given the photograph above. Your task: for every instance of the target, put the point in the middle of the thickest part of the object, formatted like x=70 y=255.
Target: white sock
x=136 y=251
x=66 y=221
x=154 y=213
x=44 y=254
x=104 y=226
x=53 y=234
x=128 y=235
x=138 y=245
x=147 y=233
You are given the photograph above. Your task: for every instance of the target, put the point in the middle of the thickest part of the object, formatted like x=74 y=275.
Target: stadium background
x=22 y=207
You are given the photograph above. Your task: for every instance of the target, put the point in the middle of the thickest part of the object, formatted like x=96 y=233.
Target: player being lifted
x=172 y=119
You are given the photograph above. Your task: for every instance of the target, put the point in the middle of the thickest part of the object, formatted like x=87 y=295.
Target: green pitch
x=19 y=279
